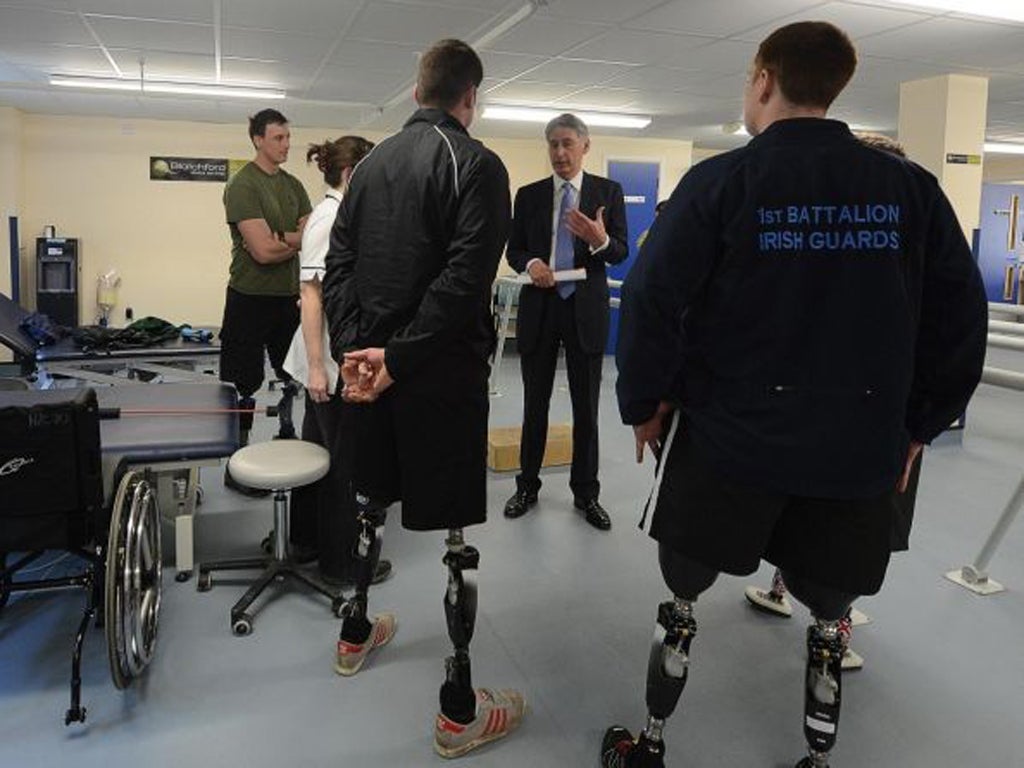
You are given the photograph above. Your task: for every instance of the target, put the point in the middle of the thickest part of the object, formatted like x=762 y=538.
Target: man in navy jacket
x=803 y=317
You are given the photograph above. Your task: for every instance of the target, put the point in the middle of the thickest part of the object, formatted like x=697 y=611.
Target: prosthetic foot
x=360 y=634
x=774 y=600
x=823 y=692
x=468 y=718
x=667 y=670
x=620 y=750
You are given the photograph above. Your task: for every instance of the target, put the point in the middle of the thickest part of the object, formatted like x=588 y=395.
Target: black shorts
x=251 y=325
x=728 y=526
x=424 y=443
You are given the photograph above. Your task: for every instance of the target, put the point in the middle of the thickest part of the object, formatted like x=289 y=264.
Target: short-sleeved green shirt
x=280 y=200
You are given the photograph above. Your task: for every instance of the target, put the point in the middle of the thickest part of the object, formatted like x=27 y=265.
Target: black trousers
x=538 y=369
x=323 y=514
x=688 y=579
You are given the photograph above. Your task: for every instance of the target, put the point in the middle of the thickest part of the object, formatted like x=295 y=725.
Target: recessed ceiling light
x=999 y=148
x=154 y=86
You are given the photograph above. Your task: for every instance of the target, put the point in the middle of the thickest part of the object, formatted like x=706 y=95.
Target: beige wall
x=10 y=193
x=90 y=178
x=10 y=184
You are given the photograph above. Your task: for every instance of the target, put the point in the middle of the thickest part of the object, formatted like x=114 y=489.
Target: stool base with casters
x=279 y=465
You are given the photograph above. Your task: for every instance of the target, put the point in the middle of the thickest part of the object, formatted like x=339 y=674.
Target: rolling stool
x=278 y=466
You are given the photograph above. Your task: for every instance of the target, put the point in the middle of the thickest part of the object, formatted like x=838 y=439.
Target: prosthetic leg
x=360 y=634
x=283 y=411
x=458 y=702
x=823 y=691
x=468 y=718
x=667 y=670
x=247 y=404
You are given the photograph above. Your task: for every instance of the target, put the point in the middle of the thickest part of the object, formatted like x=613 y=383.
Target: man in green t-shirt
x=266 y=208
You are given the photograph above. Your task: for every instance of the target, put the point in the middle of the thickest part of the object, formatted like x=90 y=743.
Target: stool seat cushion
x=279 y=464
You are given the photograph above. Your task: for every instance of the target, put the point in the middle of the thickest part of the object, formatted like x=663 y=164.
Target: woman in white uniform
x=323 y=515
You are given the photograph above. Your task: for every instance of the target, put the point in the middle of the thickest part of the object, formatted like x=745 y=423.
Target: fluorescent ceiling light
x=540 y=115
x=997 y=148
x=1010 y=10
x=153 y=86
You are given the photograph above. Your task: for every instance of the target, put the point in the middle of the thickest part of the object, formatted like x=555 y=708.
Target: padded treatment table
x=175 y=360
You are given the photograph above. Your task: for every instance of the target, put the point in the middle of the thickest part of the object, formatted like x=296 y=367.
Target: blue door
x=995 y=252
x=640 y=186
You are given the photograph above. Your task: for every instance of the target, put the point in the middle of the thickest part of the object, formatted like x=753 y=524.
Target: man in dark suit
x=571 y=220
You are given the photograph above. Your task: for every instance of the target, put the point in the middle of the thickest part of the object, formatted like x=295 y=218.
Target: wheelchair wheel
x=134 y=573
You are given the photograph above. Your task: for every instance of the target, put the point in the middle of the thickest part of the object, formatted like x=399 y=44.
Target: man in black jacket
x=571 y=220
x=803 y=317
x=413 y=255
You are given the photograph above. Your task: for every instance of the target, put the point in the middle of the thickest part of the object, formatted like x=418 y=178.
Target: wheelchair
x=52 y=482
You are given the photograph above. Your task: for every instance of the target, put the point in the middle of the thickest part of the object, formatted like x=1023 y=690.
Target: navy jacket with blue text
x=812 y=305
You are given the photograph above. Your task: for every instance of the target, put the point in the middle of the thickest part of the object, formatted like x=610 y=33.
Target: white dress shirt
x=577 y=185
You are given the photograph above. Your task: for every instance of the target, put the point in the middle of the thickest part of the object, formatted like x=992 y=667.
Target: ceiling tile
x=632 y=47
x=942 y=39
x=543 y=35
x=722 y=56
x=391 y=57
x=600 y=99
x=507 y=65
x=713 y=17
x=167 y=66
x=526 y=92
x=179 y=10
x=171 y=37
x=42 y=26
x=319 y=18
x=274 y=46
x=601 y=11
x=49 y=58
x=856 y=20
x=418 y=25
x=577 y=72
x=371 y=87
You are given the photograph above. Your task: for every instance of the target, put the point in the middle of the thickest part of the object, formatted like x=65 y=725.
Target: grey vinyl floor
x=566 y=615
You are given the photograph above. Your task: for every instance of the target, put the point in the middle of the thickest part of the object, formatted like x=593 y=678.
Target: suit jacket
x=531 y=239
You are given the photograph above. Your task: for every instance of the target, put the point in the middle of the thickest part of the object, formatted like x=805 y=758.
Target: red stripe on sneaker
x=346 y=647
x=490 y=723
x=444 y=724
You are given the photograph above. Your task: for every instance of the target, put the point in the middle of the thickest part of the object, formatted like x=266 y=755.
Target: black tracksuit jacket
x=812 y=305
x=416 y=246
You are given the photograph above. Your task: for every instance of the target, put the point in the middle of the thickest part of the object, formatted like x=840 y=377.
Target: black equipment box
x=51 y=482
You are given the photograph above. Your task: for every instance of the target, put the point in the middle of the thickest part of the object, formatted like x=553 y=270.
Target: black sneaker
x=245 y=490
x=518 y=505
x=619 y=750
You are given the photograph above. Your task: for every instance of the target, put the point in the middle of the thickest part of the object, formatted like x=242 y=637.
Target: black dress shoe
x=594 y=513
x=520 y=502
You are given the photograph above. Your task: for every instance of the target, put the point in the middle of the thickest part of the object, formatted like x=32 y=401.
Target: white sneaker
x=764 y=600
x=852 y=660
x=859 y=618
